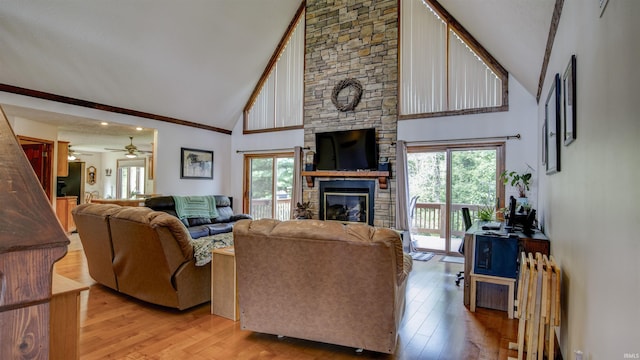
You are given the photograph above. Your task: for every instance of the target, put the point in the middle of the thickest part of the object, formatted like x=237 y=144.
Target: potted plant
x=517 y=180
x=303 y=211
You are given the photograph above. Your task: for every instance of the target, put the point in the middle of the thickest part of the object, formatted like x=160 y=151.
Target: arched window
x=277 y=100
x=444 y=70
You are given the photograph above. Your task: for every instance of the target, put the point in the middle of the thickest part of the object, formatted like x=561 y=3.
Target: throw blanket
x=202 y=246
x=196 y=206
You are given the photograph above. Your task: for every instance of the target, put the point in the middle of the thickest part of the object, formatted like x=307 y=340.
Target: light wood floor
x=436 y=325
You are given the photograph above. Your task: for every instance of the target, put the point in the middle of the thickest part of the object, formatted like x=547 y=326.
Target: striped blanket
x=196 y=206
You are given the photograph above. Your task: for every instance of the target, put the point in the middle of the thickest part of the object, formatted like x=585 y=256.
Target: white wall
x=591 y=206
x=520 y=119
x=170 y=138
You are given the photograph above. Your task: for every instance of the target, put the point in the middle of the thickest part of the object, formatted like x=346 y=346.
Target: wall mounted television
x=347 y=150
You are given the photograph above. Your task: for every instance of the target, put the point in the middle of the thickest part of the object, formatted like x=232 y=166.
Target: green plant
x=486 y=212
x=519 y=181
x=303 y=211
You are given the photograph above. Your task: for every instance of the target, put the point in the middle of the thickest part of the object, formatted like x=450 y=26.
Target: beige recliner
x=142 y=253
x=322 y=281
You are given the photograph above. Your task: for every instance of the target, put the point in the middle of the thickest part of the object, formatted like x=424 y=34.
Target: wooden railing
x=427 y=218
x=261 y=208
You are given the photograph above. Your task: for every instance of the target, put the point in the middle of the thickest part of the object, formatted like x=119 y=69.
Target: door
x=268 y=185
x=39 y=153
x=443 y=180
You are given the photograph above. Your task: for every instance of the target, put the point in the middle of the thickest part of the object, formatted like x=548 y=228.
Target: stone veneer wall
x=353 y=39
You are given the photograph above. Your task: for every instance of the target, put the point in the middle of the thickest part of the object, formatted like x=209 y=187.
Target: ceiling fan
x=74 y=155
x=131 y=151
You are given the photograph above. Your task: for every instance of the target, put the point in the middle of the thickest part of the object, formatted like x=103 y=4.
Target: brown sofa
x=322 y=281
x=143 y=253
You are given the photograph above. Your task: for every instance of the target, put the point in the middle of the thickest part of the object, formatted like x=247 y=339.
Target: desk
x=495 y=296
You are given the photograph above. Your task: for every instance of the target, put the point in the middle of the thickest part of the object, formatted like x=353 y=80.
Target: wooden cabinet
x=64 y=205
x=65 y=318
x=63 y=161
x=496 y=296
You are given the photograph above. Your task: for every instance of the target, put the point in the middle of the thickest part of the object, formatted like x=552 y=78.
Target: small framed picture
x=196 y=164
x=569 y=118
x=552 y=131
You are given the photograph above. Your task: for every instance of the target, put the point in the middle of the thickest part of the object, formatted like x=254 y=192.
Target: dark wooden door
x=39 y=156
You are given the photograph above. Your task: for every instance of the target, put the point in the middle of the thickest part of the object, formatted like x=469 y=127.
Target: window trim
x=267 y=71
x=487 y=58
x=246 y=177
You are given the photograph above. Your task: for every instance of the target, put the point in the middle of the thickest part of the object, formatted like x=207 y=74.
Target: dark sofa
x=199 y=227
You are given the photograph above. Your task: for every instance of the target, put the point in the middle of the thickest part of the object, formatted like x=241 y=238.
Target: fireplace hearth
x=347 y=201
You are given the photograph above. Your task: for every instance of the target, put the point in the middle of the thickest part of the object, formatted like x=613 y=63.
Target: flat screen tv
x=347 y=150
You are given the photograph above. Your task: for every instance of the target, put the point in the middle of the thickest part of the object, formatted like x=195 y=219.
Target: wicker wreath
x=353 y=83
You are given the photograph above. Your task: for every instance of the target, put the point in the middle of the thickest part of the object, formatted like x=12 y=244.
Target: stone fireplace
x=348 y=201
x=353 y=40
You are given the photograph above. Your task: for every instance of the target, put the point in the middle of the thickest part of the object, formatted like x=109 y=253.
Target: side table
x=224 y=290
x=65 y=318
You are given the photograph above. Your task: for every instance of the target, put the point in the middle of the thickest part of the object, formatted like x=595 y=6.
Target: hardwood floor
x=436 y=325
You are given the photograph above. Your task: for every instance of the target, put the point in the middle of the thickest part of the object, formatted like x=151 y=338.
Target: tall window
x=131 y=178
x=269 y=185
x=444 y=71
x=276 y=102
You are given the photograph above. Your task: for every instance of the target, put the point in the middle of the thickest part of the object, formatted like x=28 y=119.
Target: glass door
x=443 y=180
x=269 y=183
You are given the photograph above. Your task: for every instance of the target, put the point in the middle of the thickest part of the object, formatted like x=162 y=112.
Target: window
x=269 y=185
x=131 y=178
x=443 y=69
x=277 y=101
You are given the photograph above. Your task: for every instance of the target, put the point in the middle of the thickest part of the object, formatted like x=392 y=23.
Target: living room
x=595 y=248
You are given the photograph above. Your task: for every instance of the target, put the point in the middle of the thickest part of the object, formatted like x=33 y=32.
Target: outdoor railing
x=261 y=208
x=427 y=218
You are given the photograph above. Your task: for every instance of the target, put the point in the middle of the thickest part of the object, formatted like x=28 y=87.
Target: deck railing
x=261 y=208
x=427 y=218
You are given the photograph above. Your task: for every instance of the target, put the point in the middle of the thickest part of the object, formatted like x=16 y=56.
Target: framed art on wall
x=569 y=118
x=196 y=164
x=552 y=124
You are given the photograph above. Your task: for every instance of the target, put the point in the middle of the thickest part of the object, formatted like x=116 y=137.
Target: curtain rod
x=506 y=137
x=268 y=150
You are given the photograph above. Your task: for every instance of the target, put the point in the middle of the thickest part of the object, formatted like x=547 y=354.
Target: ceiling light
x=104 y=123
x=131 y=156
x=71 y=157
x=139 y=128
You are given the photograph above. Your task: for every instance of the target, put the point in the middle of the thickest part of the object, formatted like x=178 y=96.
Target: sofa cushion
x=219 y=228
x=198 y=221
x=224 y=214
x=198 y=231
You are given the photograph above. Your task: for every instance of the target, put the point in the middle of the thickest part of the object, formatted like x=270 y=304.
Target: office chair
x=466 y=216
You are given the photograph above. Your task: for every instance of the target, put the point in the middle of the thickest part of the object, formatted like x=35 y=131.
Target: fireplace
x=347 y=201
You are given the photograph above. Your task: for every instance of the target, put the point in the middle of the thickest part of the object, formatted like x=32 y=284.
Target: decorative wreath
x=353 y=83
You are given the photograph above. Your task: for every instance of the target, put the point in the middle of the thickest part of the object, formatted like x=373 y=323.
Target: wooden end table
x=224 y=289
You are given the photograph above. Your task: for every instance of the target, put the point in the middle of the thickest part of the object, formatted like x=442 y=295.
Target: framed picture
x=196 y=164
x=569 y=117
x=552 y=123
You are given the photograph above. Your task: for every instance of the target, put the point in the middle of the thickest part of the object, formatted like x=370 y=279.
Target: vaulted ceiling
x=199 y=60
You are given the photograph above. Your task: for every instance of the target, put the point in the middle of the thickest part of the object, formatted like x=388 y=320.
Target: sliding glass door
x=268 y=185
x=443 y=180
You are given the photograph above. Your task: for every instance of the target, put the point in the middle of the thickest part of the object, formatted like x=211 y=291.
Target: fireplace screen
x=346 y=207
